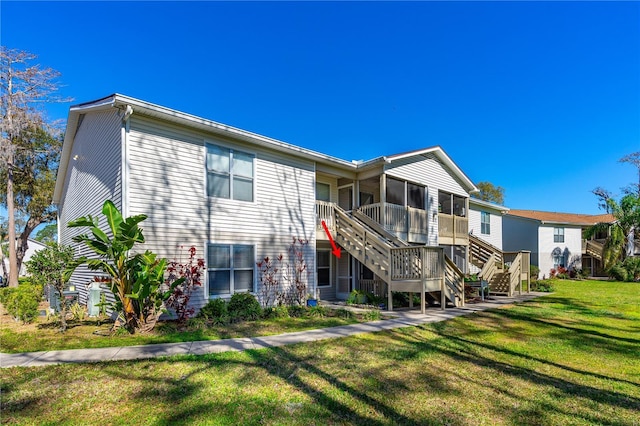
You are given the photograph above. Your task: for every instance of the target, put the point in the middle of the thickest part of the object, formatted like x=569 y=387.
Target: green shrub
x=276 y=312
x=617 y=272
x=345 y=313
x=534 y=270
x=22 y=302
x=632 y=266
x=318 y=312
x=24 y=280
x=372 y=315
x=297 y=311
x=244 y=306
x=214 y=309
x=543 y=285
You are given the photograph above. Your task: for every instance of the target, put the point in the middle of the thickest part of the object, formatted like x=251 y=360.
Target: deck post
x=389 y=298
x=383 y=200
x=443 y=284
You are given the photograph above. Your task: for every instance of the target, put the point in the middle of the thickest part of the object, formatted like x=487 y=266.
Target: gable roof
x=129 y=105
x=487 y=204
x=562 y=218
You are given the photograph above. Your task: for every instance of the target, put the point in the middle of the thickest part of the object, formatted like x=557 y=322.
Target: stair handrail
x=515 y=273
x=454 y=279
x=483 y=245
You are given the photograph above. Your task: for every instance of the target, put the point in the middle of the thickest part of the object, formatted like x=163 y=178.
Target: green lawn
x=45 y=336
x=572 y=358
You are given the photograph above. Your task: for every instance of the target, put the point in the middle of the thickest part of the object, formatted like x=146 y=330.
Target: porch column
x=389 y=297
x=383 y=198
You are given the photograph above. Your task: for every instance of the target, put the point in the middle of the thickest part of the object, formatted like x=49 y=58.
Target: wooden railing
x=453 y=228
x=363 y=243
x=408 y=223
x=481 y=251
x=376 y=287
x=593 y=248
x=324 y=211
x=454 y=282
x=515 y=275
x=491 y=267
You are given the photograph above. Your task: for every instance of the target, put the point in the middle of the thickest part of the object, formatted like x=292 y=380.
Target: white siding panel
x=93 y=176
x=495 y=222
x=571 y=248
x=167 y=182
x=432 y=209
x=427 y=170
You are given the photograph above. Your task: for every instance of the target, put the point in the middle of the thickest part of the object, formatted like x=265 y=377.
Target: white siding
x=432 y=211
x=93 y=176
x=571 y=248
x=427 y=170
x=495 y=224
x=167 y=182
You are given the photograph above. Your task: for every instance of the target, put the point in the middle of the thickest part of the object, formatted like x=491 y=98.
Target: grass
x=45 y=336
x=567 y=358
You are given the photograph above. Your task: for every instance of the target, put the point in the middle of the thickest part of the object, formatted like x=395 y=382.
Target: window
x=323 y=267
x=229 y=173
x=558 y=235
x=395 y=191
x=444 y=203
x=415 y=195
x=558 y=260
x=230 y=268
x=323 y=192
x=485 y=223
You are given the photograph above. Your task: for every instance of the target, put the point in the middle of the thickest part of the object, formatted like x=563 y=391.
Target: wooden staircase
x=593 y=248
x=503 y=271
x=403 y=267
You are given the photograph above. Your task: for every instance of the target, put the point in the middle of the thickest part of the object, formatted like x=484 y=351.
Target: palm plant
x=135 y=279
x=626 y=214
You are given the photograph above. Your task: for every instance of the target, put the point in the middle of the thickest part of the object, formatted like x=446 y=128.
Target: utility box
x=93 y=299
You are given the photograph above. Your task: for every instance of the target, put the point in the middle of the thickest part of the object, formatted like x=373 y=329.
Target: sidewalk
x=403 y=318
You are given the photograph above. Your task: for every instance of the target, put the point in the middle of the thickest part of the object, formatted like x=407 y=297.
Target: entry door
x=345 y=276
x=345 y=197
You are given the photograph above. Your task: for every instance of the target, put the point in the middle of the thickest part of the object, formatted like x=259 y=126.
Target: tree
x=134 y=279
x=626 y=215
x=48 y=234
x=49 y=266
x=25 y=89
x=633 y=159
x=489 y=192
x=35 y=166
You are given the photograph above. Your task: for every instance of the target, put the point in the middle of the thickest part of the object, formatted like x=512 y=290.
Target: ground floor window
x=323 y=267
x=558 y=260
x=230 y=268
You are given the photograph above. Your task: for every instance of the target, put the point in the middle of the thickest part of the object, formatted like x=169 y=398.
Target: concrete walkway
x=402 y=318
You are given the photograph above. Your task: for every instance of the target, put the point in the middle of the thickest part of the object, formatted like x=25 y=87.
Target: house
x=485 y=224
x=33 y=247
x=238 y=196
x=555 y=239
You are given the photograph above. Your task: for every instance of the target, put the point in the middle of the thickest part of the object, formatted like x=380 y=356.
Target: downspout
x=124 y=167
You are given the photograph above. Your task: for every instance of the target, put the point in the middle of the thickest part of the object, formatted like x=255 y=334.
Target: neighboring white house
x=554 y=239
x=485 y=221
x=238 y=196
x=33 y=247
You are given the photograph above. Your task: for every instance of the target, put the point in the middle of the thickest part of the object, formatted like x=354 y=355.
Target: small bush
x=276 y=312
x=318 y=312
x=534 y=270
x=372 y=315
x=78 y=312
x=297 y=311
x=618 y=272
x=215 y=308
x=543 y=285
x=22 y=302
x=243 y=307
x=345 y=313
x=632 y=266
x=197 y=323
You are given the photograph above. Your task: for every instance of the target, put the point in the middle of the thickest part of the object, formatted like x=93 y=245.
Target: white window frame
x=558 y=235
x=558 y=261
x=485 y=226
x=231 y=269
x=231 y=173
x=330 y=267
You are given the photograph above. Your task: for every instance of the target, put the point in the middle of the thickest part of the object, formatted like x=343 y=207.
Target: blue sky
x=541 y=98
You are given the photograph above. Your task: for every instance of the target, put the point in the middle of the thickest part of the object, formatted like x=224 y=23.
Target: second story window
x=229 y=173
x=485 y=223
x=558 y=235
